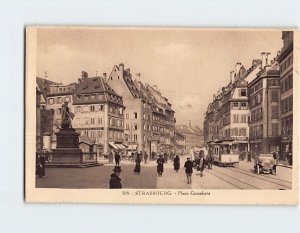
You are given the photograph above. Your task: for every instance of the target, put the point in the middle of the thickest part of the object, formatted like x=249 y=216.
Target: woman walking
x=137 y=168
x=188 y=170
x=176 y=163
x=160 y=165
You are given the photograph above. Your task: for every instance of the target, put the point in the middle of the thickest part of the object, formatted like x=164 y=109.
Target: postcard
x=161 y=115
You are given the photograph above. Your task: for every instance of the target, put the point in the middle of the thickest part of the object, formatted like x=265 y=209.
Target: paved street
x=239 y=177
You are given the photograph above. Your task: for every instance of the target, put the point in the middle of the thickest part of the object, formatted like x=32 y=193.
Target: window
x=135 y=137
x=145 y=127
x=92 y=108
x=135 y=115
x=127 y=127
x=92 y=121
x=274 y=129
x=274 y=112
x=244 y=118
x=135 y=127
x=127 y=116
x=243 y=105
x=51 y=101
x=291 y=81
x=242 y=132
x=235 y=118
x=243 y=92
x=274 y=96
x=101 y=108
x=235 y=104
x=100 y=120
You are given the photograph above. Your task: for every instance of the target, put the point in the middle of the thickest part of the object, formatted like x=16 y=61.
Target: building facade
x=149 y=119
x=194 y=136
x=286 y=97
x=99 y=113
x=264 y=93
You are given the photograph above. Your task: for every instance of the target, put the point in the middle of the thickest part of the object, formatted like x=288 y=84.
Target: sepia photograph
x=161 y=115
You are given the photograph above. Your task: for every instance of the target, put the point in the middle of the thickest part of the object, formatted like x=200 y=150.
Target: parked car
x=264 y=163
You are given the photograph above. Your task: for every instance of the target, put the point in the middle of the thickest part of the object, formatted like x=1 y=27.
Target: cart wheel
x=257 y=169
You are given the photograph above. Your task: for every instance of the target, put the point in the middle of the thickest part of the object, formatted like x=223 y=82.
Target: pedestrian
x=176 y=163
x=201 y=163
x=248 y=156
x=160 y=165
x=137 y=168
x=115 y=180
x=117 y=159
x=110 y=157
x=188 y=170
x=145 y=157
x=41 y=171
x=276 y=161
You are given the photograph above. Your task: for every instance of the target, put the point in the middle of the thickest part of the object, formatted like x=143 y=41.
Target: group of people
x=201 y=162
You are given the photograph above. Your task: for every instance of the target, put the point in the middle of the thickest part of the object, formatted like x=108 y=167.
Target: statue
x=66 y=116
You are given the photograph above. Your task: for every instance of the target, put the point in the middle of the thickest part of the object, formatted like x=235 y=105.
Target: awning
x=113 y=145
x=119 y=146
x=131 y=147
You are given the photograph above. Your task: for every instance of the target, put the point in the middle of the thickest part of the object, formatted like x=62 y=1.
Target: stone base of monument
x=67 y=152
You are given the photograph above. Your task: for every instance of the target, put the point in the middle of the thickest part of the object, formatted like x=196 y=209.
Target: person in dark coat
x=176 y=163
x=115 y=181
x=188 y=170
x=160 y=165
x=41 y=170
x=276 y=161
x=137 y=168
x=145 y=157
x=117 y=158
x=201 y=163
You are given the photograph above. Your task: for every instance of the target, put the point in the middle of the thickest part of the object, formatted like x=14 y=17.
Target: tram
x=224 y=152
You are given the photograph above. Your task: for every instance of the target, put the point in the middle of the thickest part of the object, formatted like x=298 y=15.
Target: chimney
x=138 y=77
x=238 y=66
x=79 y=80
x=263 y=59
x=155 y=87
x=232 y=76
x=138 y=80
x=267 y=56
x=84 y=75
x=104 y=77
x=121 y=69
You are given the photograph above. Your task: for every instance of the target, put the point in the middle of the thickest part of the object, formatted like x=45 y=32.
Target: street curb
x=287 y=166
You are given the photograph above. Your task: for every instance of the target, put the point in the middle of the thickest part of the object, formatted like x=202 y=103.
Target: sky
x=187 y=65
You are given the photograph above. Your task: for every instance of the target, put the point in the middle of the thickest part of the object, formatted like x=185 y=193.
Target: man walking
x=188 y=170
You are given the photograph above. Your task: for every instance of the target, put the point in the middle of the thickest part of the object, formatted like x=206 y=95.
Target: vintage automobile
x=264 y=163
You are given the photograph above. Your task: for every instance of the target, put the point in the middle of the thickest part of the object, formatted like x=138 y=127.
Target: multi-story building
x=264 y=92
x=55 y=95
x=286 y=97
x=136 y=112
x=179 y=143
x=193 y=136
x=227 y=116
x=99 y=113
x=149 y=118
x=163 y=119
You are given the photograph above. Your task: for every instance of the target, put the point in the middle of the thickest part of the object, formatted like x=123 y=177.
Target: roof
x=131 y=85
x=93 y=85
x=44 y=85
x=86 y=140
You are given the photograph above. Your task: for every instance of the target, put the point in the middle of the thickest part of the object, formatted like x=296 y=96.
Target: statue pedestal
x=67 y=152
x=67 y=148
